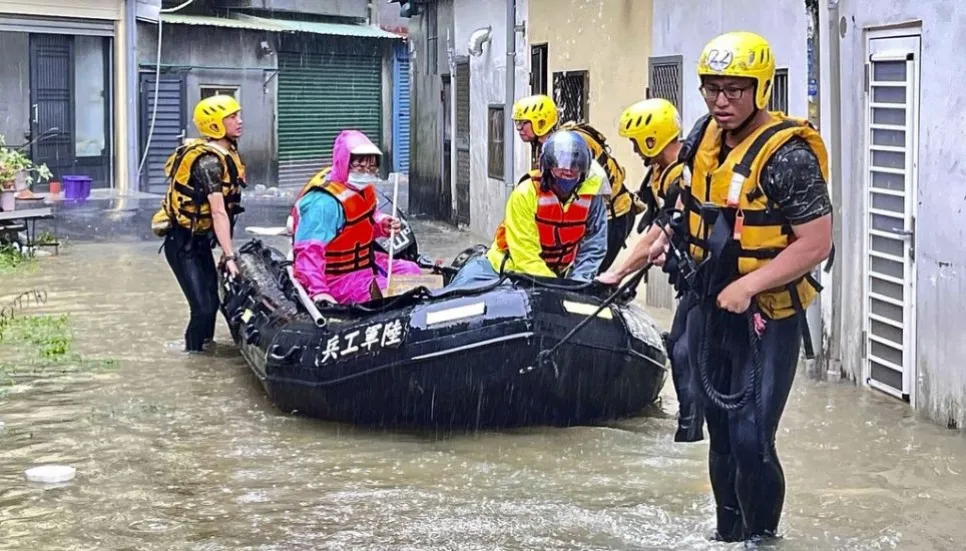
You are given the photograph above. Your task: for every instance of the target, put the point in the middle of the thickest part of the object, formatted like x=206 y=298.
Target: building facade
x=64 y=84
x=460 y=120
x=301 y=75
x=895 y=319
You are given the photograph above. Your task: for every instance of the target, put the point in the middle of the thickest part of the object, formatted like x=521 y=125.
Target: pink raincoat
x=317 y=218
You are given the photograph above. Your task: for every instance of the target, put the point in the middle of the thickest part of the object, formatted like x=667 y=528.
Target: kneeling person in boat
x=335 y=221
x=555 y=223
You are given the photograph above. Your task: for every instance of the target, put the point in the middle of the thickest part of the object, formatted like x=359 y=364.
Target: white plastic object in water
x=50 y=474
x=270 y=230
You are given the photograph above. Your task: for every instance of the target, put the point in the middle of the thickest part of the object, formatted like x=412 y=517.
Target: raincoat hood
x=347 y=143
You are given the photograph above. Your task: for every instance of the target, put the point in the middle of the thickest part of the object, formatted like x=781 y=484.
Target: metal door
x=170 y=125
x=891 y=181
x=400 y=109
x=463 y=142
x=51 y=102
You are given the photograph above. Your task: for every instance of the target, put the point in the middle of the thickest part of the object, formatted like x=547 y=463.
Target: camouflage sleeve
x=206 y=172
x=793 y=180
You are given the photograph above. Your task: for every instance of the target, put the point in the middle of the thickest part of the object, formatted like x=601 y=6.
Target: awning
x=251 y=22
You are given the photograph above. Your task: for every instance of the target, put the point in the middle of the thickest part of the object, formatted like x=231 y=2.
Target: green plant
x=12 y=259
x=13 y=162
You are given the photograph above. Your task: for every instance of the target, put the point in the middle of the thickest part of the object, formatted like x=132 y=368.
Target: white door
x=891 y=162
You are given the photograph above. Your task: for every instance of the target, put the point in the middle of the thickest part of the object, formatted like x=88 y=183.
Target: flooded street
x=185 y=452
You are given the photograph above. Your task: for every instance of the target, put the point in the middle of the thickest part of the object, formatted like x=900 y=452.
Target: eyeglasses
x=363 y=166
x=711 y=92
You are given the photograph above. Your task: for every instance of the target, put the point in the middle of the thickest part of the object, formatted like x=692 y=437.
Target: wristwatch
x=230 y=257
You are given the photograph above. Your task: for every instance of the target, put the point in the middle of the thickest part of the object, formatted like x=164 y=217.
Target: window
x=570 y=95
x=91 y=96
x=494 y=142
x=538 y=69
x=432 y=40
x=664 y=79
x=779 y=92
x=209 y=90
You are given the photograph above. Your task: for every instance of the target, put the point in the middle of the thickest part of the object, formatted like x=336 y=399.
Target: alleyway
x=176 y=452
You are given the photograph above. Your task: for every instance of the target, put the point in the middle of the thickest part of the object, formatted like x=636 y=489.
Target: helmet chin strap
x=744 y=124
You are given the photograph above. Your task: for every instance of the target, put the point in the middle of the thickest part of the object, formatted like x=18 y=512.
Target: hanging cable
x=157 y=80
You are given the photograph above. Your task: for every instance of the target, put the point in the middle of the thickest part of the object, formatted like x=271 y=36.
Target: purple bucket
x=76 y=188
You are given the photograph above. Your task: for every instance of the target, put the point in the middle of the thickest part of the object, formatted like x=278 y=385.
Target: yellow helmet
x=210 y=115
x=741 y=54
x=540 y=110
x=653 y=119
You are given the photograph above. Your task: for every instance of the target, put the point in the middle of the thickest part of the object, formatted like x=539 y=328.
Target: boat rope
x=545 y=357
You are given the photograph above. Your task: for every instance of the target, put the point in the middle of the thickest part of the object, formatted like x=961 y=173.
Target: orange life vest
x=561 y=230
x=351 y=249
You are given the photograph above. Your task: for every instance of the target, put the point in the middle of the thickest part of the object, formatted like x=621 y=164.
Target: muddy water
x=176 y=452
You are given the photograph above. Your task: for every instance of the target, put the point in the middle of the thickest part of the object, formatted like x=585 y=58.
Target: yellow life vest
x=182 y=203
x=765 y=232
x=621 y=199
x=661 y=182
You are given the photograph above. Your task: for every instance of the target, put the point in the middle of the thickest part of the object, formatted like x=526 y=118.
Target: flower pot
x=8 y=200
x=20 y=180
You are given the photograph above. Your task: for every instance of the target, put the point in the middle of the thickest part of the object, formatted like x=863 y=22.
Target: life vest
x=763 y=232
x=621 y=199
x=187 y=206
x=351 y=249
x=561 y=227
x=661 y=182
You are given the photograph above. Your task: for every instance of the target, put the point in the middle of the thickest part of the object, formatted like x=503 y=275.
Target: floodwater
x=185 y=452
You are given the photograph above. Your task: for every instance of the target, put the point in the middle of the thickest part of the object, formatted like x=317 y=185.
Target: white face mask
x=362 y=179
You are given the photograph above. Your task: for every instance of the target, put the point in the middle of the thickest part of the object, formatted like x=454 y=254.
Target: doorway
x=891 y=189
x=71 y=105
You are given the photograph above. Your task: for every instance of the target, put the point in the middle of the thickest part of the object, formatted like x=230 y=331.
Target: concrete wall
x=612 y=43
x=427 y=196
x=939 y=255
x=14 y=86
x=487 y=86
x=208 y=49
x=683 y=27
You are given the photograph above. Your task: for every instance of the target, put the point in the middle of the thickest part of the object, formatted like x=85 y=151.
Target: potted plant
x=14 y=167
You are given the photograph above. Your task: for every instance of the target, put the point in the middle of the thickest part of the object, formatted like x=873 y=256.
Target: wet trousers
x=746 y=475
x=618 y=229
x=690 y=401
x=193 y=264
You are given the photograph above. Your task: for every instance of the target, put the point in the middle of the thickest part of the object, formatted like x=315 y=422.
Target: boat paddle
x=392 y=230
x=545 y=357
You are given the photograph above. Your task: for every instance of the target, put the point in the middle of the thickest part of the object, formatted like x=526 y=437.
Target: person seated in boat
x=555 y=223
x=334 y=223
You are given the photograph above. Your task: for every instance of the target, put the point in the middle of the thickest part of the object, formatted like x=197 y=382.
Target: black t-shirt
x=791 y=178
x=206 y=173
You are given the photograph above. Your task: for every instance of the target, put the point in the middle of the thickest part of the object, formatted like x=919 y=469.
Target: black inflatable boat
x=462 y=359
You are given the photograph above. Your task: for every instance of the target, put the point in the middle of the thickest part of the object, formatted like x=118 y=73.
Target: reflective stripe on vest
x=561 y=230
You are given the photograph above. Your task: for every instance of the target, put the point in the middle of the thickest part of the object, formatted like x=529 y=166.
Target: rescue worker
x=536 y=118
x=335 y=221
x=758 y=222
x=555 y=223
x=654 y=128
x=203 y=200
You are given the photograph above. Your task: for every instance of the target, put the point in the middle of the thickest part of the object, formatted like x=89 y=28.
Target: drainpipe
x=834 y=356
x=130 y=37
x=451 y=51
x=813 y=314
x=508 y=127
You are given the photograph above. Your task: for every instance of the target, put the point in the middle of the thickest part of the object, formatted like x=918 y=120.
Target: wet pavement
x=185 y=452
